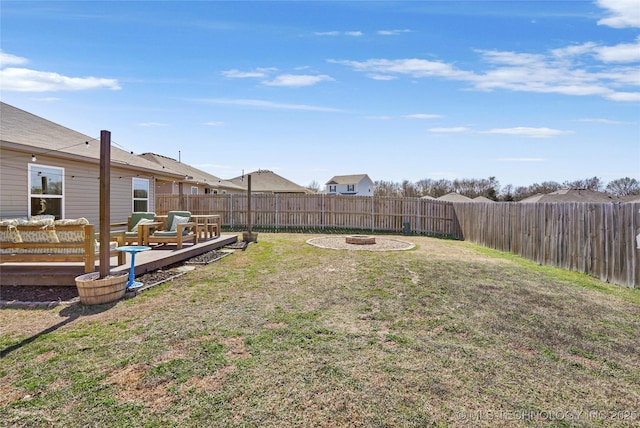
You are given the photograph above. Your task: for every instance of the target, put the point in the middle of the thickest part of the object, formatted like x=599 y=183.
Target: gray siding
x=82 y=187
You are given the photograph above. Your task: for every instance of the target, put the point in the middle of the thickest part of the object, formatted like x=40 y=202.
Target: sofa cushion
x=42 y=217
x=43 y=235
x=36 y=222
x=71 y=222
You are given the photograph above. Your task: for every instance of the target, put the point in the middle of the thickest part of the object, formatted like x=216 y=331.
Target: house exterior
x=454 y=197
x=265 y=181
x=572 y=195
x=356 y=185
x=50 y=169
x=194 y=181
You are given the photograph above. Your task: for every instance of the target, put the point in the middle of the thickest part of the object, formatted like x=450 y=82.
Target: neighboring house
x=572 y=195
x=195 y=181
x=454 y=197
x=356 y=185
x=50 y=169
x=483 y=199
x=264 y=181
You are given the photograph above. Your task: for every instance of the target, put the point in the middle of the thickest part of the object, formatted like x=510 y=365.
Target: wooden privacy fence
x=284 y=211
x=594 y=238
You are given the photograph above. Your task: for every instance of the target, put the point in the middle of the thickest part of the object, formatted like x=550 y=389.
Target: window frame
x=30 y=195
x=135 y=199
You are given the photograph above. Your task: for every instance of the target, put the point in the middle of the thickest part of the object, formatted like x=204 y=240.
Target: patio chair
x=179 y=229
x=134 y=233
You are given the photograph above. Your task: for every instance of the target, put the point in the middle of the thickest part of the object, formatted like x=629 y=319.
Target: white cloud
x=624 y=96
x=297 y=80
x=379 y=117
x=450 y=130
x=561 y=71
x=527 y=132
x=339 y=33
x=622 y=13
x=392 y=32
x=26 y=80
x=8 y=59
x=20 y=79
x=414 y=67
x=266 y=104
x=423 y=116
x=624 y=52
x=257 y=73
x=519 y=130
x=381 y=77
x=214 y=123
x=47 y=99
x=600 y=120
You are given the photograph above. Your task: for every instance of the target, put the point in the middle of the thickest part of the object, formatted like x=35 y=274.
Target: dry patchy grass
x=287 y=334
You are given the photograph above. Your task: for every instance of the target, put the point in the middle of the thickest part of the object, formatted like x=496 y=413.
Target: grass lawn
x=287 y=334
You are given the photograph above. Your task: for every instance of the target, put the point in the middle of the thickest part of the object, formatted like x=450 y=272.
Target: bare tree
x=624 y=187
x=592 y=183
x=409 y=189
x=314 y=186
x=387 y=188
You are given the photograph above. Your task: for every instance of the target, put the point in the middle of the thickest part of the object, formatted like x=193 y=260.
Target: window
x=194 y=190
x=46 y=190
x=351 y=187
x=332 y=188
x=140 y=194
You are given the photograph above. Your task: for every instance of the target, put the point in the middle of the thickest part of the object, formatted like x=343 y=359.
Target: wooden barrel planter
x=97 y=291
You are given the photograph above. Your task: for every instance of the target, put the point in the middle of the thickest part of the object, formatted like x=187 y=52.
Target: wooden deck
x=63 y=274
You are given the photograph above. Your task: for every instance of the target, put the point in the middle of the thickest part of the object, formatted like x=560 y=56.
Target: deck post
x=105 y=199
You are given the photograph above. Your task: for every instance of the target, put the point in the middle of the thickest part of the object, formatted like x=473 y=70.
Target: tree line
x=491 y=188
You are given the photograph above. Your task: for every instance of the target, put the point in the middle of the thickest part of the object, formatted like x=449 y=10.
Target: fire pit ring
x=360 y=240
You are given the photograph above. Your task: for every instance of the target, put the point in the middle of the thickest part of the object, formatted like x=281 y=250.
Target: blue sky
x=525 y=91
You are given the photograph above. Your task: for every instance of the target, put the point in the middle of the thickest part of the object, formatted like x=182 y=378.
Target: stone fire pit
x=360 y=240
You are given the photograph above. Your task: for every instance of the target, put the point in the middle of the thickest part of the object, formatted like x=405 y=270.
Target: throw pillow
x=10 y=234
x=142 y=221
x=176 y=221
x=40 y=222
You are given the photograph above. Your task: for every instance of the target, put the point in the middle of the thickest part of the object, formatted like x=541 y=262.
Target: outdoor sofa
x=43 y=239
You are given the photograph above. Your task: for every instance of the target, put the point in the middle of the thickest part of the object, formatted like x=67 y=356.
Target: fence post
x=323 y=219
x=419 y=219
x=373 y=216
x=231 y=210
x=277 y=212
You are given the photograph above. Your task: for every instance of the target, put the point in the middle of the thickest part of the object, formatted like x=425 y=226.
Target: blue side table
x=133 y=250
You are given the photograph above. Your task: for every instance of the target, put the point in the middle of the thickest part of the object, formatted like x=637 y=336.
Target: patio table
x=133 y=250
x=207 y=223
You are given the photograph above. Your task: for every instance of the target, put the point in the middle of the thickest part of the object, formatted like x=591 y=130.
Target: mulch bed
x=25 y=293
